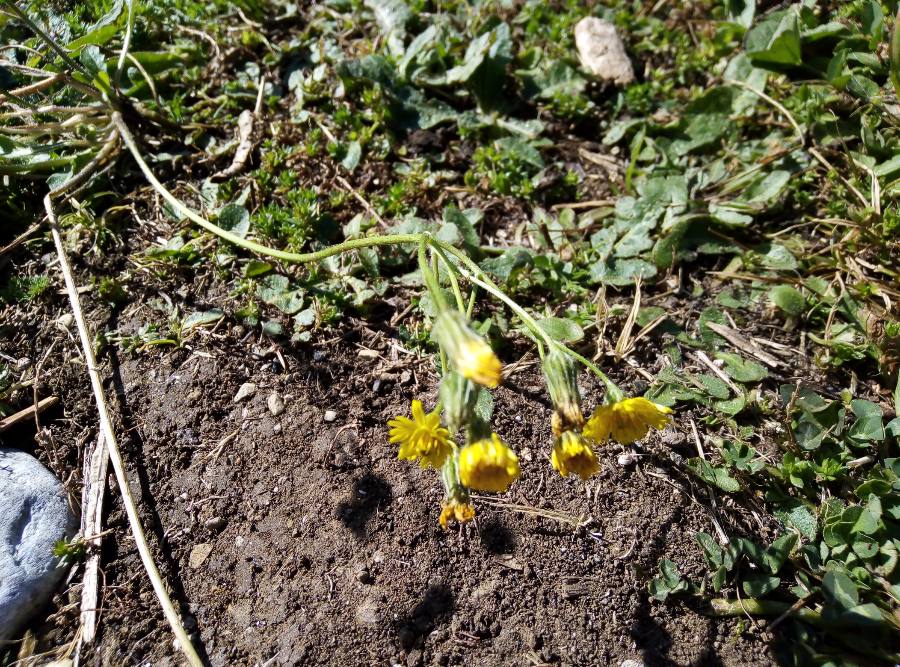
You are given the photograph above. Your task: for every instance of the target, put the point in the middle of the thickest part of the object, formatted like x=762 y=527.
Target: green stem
x=755 y=607
x=454 y=283
x=474 y=273
x=301 y=258
x=428 y=276
x=613 y=392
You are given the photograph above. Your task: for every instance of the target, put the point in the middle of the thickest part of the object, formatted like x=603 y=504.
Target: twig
x=115 y=456
x=28 y=413
x=96 y=461
x=744 y=344
x=723 y=537
x=706 y=361
x=20 y=239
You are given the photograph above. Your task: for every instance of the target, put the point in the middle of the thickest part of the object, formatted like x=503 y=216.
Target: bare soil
x=296 y=540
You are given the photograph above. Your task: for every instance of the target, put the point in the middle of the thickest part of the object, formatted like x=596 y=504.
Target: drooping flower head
x=572 y=453
x=469 y=353
x=453 y=510
x=626 y=420
x=488 y=465
x=421 y=437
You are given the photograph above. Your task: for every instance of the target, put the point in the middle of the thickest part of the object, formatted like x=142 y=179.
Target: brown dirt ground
x=293 y=540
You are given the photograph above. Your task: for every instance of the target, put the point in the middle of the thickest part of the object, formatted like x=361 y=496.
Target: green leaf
x=789 y=299
x=562 y=330
x=234 y=218
x=255 y=268
x=794 y=514
x=741 y=12
x=868 y=424
x=778 y=551
x=714 y=386
x=668 y=582
x=869 y=520
x=391 y=15
x=740 y=369
x=712 y=552
x=200 y=319
x=758 y=585
x=484 y=405
x=775 y=40
x=352 y=156
x=506 y=264
x=777 y=257
x=841 y=589
x=710 y=474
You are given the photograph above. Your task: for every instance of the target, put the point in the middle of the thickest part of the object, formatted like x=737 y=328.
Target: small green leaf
x=789 y=299
x=758 y=585
x=712 y=552
x=775 y=40
x=841 y=589
x=778 y=551
x=352 y=156
x=562 y=330
x=710 y=474
x=868 y=424
x=740 y=369
x=234 y=218
x=668 y=582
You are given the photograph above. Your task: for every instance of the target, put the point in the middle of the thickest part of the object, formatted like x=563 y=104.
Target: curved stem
x=474 y=273
x=454 y=283
x=612 y=389
x=301 y=258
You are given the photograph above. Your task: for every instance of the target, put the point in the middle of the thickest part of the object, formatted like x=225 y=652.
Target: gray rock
x=34 y=515
x=330 y=415
x=601 y=51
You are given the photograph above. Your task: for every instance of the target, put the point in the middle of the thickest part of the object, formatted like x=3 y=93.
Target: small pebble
x=330 y=416
x=276 y=428
x=215 y=523
x=628 y=459
x=199 y=554
x=275 y=403
x=247 y=390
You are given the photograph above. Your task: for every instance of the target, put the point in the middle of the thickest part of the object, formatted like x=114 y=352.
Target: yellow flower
x=488 y=465
x=469 y=353
x=626 y=421
x=421 y=437
x=573 y=453
x=453 y=510
x=478 y=362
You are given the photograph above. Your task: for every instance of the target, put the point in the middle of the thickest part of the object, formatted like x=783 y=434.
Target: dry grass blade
x=562 y=517
x=115 y=456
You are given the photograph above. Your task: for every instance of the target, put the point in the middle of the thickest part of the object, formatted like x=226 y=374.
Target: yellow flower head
x=573 y=453
x=478 y=362
x=488 y=465
x=452 y=510
x=627 y=420
x=469 y=353
x=421 y=437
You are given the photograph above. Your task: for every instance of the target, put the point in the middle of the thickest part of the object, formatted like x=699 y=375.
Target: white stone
x=34 y=516
x=330 y=415
x=246 y=391
x=601 y=51
x=275 y=404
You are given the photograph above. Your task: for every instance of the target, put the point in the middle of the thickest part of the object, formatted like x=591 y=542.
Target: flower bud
x=469 y=353
x=458 y=396
x=561 y=376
